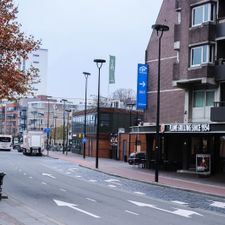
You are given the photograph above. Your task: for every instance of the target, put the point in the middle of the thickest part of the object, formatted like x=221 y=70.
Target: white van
x=5 y=142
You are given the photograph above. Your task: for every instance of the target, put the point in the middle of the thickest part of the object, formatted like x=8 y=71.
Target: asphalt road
x=52 y=191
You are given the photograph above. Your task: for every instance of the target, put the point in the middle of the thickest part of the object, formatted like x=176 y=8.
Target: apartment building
x=192 y=92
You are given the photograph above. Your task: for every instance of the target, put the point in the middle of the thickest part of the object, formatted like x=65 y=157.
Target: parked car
x=137 y=158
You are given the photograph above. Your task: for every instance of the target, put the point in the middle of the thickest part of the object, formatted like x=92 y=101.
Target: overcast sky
x=75 y=32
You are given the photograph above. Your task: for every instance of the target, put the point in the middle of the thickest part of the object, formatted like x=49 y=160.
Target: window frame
x=207 y=54
x=210 y=14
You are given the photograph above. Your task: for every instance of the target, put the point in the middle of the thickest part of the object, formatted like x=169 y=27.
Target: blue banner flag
x=142 y=81
x=112 y=64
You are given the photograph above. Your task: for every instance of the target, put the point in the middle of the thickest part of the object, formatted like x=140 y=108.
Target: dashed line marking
x=31 y=177
x=139 y=193
x=112 y=186
x=24 y=174
x=130 y=212
x=90 y=199
x=93 y=181
x=63 y=190
x=44 y=183
x=179 y=202
x=78 y=176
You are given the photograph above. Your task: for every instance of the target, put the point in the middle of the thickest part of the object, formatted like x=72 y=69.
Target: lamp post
x=130 y=105
x=99 y=63
x=55 y=127
x=86 y=74
x=159 y=28
x=67 y=129
x=64 y=107
x=48 y=129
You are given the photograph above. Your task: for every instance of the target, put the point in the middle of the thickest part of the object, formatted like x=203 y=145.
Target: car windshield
x=5 y=139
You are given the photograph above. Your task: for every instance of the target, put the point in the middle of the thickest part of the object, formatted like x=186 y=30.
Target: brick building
x=192 y=93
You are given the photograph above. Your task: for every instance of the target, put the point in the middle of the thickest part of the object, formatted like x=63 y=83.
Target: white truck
x=33 y=142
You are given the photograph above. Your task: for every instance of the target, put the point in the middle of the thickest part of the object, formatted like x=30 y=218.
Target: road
x=52 y=191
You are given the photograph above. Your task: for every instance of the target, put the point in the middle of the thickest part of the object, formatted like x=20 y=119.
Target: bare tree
x=124 y=95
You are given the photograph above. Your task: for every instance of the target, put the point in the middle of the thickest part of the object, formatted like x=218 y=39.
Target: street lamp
x=64 y=106
x=48 y=129
x=160 y=30
x=99 y=63
x=130 y=105
x=86 y=74
x=67 y=129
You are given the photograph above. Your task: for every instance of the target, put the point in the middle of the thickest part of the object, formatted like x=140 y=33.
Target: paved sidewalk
x=213 y=185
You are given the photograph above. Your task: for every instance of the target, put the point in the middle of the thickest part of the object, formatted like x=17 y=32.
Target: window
x=202 y=54
x=198 y=99
x=202 y=98
x=203 y=13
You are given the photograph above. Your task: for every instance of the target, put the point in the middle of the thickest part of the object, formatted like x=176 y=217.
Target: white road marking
x=139 y=193
x=73 y=206
x=44 y=183
x=90 y=199
x=48 y=175
x=63 y=190
x=180 y=203
x=133 y=213
x=68 y=173
x=24 y=174
x=31 y=177
x=112 y=186
x=179 y=212
x=93 y=181
x=113 y=181
x=72 y=169
x=218 y=204
x=78 y=176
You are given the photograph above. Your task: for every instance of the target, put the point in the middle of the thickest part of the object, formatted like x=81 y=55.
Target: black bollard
x=1 y=182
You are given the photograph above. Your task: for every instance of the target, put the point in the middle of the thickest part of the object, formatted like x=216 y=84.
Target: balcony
x=218 y=112
x=220 y=29
x=205 y=32
x=204 y=71
x=220 y=71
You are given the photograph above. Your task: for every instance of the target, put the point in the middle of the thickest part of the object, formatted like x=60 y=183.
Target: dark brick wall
x=172 y=100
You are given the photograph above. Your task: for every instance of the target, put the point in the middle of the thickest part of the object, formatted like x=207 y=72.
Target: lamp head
x=160 y=27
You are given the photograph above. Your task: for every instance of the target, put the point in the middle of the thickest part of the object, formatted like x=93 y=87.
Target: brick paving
x=213 y=185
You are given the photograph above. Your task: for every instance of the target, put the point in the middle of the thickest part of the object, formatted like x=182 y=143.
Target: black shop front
x=188 y=147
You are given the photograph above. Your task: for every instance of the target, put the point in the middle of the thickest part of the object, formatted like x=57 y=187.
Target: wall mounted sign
x=142 y=86
x=189 y=127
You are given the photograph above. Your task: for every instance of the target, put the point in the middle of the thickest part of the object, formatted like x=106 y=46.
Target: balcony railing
x=218 y=112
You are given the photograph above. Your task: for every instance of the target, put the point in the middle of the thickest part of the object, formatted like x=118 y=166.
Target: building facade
x=192 y=114
x=112 y=122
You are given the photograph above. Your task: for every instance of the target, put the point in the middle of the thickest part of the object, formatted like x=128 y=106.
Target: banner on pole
x=112 y=64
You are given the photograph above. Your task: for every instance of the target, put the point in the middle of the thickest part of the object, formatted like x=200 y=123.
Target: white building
x=39 y=59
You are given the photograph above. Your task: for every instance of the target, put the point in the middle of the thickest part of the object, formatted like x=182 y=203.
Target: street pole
x=67 y=130
x=159 y=28
x=99 y=63
x=64 y=107
x=55 y=117
x=86 y=74
x=48 y=130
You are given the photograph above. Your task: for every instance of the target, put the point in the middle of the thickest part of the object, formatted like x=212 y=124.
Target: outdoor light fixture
x=159 y=28
x=86 y=74
x=99 y=63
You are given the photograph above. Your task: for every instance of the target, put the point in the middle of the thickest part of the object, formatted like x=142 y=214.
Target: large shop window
x=201 y=55
x=203 y=13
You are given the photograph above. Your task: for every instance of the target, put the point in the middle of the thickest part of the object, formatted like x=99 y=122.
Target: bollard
x=1 y=182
